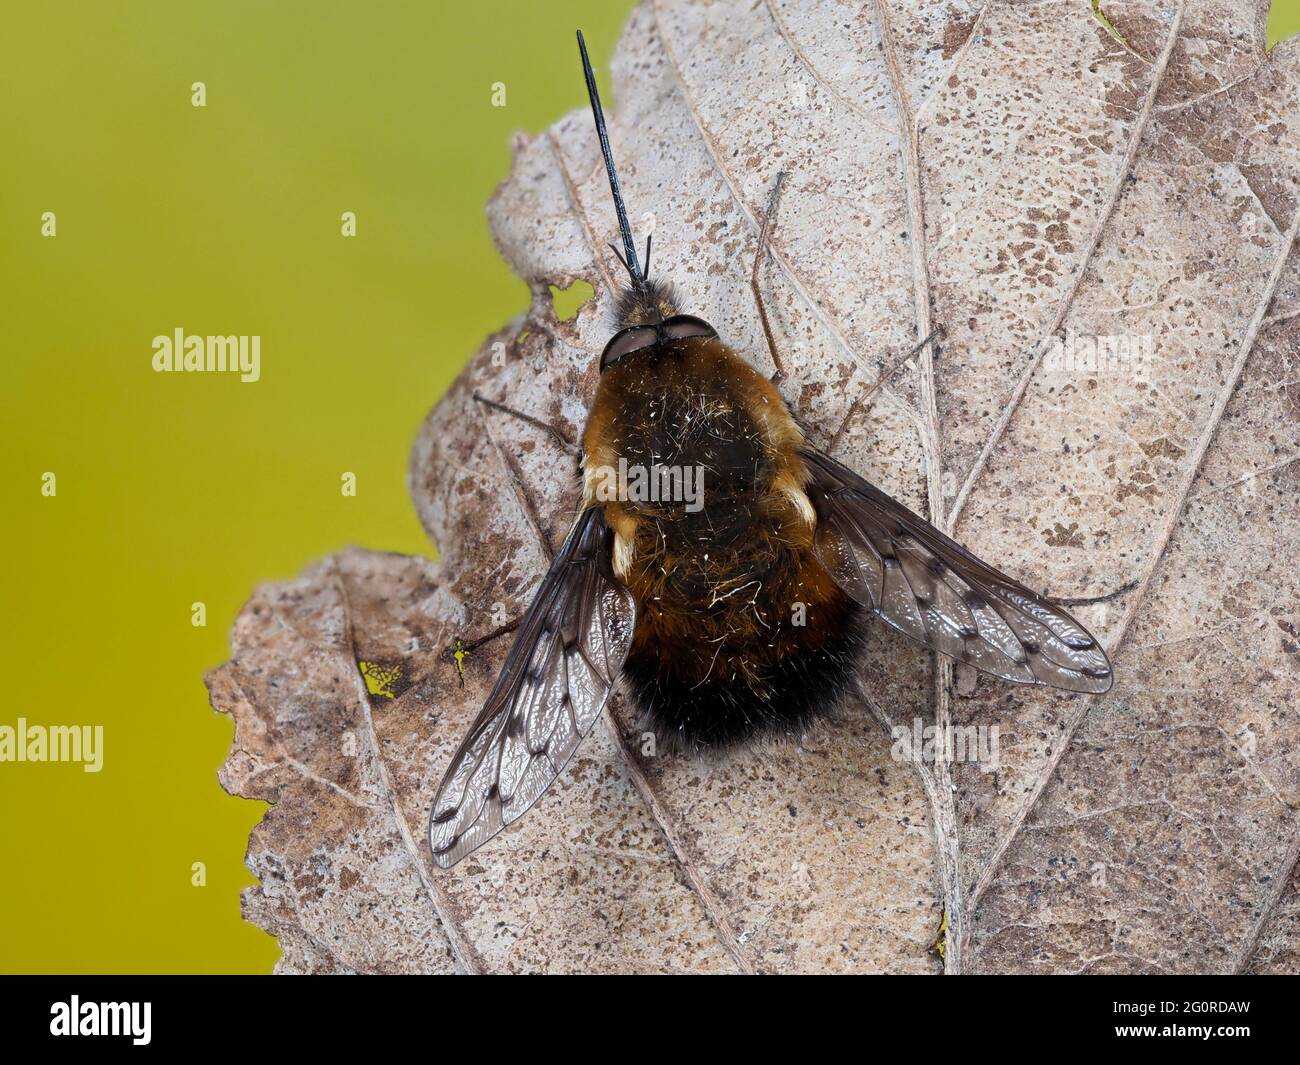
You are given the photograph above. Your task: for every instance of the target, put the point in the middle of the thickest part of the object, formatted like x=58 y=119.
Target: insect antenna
x=628 y=258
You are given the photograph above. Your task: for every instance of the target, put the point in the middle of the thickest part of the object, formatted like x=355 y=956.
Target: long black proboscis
x=629 y=248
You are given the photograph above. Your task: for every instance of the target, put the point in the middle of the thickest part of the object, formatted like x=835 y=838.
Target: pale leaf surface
x=1058 y=182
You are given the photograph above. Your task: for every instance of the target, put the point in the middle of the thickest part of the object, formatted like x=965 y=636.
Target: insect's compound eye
x=681 y=326
x=626 y=341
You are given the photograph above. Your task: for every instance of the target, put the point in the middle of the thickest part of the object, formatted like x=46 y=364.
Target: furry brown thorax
x=733 y=606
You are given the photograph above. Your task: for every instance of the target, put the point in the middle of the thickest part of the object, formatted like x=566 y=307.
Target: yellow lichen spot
x=459 y=654
x=379 y=681
x=940 y=944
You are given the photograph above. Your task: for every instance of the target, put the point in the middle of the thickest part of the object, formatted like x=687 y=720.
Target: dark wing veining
x=566 y=657
x=929 y=587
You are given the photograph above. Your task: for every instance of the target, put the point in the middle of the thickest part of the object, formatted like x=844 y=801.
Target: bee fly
x=744 y=616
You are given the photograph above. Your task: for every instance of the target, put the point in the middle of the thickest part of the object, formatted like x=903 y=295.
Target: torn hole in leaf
x=1283 y=22
x=569 y=301
x=1106 y=23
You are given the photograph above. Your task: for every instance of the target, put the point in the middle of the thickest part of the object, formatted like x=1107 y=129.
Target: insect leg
x=886 y=375
x=763 y=234
x=555 y=433
x=1089 y=600
x=457 y=651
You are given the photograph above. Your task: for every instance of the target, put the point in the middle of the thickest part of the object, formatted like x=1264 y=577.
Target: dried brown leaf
x=1014 y=173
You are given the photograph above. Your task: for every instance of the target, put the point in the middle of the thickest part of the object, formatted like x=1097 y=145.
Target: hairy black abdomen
x=787 y=694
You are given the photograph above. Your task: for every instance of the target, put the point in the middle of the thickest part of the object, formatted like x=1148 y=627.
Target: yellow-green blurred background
x=179 y=488
x=190 y=487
